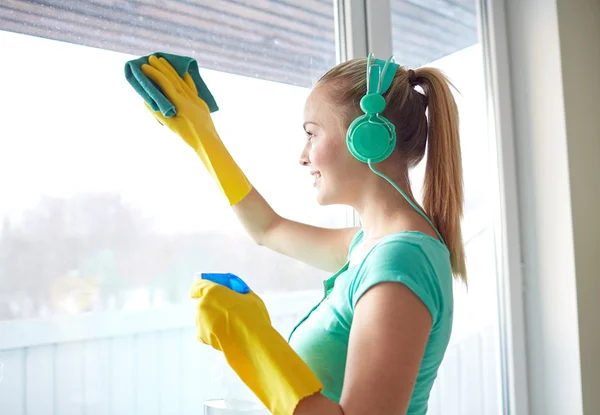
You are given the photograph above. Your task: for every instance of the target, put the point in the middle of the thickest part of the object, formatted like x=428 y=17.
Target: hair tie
x=412 y=78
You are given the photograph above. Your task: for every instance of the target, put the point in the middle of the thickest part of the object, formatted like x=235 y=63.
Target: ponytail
x=443 y=184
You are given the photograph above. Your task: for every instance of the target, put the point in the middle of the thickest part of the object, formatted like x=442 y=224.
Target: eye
x=309 y=135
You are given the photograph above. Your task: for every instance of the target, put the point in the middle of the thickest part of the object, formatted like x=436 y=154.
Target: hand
x=239 y=325
x=192 y=122
x=221 y=313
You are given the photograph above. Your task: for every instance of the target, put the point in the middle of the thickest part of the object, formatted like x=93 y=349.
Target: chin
x=322 y=202
x=321 y=199
x=325 y=199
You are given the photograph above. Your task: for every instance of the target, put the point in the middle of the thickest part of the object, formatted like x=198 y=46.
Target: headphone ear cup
x=350 y=134
x=368 y=138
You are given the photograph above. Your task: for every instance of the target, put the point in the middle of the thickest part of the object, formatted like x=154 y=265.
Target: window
x=117 y=210
x=105 y=216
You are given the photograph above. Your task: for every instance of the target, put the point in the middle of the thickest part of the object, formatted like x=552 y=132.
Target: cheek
x=327 y=153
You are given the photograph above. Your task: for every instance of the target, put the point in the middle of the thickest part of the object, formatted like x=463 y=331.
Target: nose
x=304 y=159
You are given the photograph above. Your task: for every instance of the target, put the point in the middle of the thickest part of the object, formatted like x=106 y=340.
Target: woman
x=375 y=342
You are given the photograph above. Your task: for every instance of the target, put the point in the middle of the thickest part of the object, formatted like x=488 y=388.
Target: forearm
x=318 y=404
x=255 y=215
x=267 y=364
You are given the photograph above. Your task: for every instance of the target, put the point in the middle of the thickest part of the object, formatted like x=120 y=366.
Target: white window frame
x=365 y=27
x=350 y=42
x=492 y=23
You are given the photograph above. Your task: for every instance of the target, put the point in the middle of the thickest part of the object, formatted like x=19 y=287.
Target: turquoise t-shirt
x=414 y=259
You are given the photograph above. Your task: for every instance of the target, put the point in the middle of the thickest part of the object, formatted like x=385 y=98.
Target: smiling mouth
x=317 y=178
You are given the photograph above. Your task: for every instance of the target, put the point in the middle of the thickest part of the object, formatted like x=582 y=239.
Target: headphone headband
x=381 y=73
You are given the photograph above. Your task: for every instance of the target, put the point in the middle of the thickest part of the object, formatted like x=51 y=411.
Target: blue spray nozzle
x=228 y=280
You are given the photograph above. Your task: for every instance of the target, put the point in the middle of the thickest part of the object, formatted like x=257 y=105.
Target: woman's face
x=334 y=169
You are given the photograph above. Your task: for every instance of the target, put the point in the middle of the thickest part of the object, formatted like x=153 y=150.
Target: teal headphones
x=371 y=138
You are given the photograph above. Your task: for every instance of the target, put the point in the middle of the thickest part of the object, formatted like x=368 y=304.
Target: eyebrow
x=309 y=122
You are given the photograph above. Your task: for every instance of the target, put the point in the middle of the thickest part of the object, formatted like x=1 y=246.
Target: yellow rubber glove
x=194 y=124
x=239 y=326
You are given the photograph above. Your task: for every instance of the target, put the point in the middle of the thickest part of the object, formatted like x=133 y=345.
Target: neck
x=381 y=208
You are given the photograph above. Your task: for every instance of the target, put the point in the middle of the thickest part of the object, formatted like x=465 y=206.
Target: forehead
x=317 y=105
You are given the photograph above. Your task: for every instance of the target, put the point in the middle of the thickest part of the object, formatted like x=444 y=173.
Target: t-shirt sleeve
x=402 y=262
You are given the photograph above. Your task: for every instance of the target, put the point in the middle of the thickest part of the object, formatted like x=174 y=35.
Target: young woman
x=374 y=344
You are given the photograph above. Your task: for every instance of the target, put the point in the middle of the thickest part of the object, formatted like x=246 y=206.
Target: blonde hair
x=423 y=121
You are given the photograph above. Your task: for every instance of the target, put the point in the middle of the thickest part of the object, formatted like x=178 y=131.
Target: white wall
x=579 y=28
x=554 y=63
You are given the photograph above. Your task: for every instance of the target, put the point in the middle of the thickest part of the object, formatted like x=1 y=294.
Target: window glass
x=104 y=209
x=105 y=216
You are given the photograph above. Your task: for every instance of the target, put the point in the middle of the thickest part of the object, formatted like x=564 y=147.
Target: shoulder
x=406 y=252
x=413 y=259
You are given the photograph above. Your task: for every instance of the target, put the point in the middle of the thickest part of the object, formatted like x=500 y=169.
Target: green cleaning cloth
x=153 y=95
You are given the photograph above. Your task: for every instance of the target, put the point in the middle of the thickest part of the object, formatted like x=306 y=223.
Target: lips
x=317 y=176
